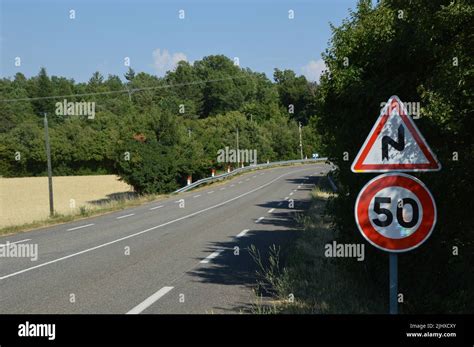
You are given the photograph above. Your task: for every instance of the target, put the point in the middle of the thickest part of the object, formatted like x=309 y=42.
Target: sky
x=154 y=37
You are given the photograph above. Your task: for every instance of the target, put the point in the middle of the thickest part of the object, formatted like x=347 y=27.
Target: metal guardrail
x=244 y=169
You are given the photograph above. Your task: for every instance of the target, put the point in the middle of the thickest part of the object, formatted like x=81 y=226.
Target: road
x=160 y=257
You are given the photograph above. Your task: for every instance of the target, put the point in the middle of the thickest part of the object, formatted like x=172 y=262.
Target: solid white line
x=149 y=229
x=271 y=210
x=210 y=192
x=259 y=220
x=286 y=197
x=211 y=256
x=82 y=226
x=149 y=301
x=127 y=215
x=197 y=196
x=154 y=208
x=242 y=233
x=15 y=242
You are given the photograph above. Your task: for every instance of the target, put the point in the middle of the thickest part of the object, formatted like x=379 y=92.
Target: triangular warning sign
x=395 y=144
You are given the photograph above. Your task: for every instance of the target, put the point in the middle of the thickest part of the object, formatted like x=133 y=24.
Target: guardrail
x=246 y=168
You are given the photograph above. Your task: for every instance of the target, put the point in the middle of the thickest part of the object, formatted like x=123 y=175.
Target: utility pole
x=301 y=142
x=50 y=173
x=238 y=152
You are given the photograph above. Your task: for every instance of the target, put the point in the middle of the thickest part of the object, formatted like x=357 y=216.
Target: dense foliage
x=421 y=51
x=152 y=131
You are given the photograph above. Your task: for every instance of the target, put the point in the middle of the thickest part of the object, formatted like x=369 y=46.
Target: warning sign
x=395 y=144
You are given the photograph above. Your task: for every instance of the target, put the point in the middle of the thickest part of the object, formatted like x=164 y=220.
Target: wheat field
x=25 y=199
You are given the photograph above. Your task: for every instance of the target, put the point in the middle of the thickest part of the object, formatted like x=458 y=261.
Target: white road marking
x=287 y=197
x=210 y=192
x=271 y=210
x=243 y=232
x=127 y=215
x=259 y=220
x=248 y=179
x=211 y=256
x=239 y=182
x=197 y=196
x=149 y=229
x=299 y=187
x=222 y=189
x=154 y=208
x=291 y=193
x=149 y=301
x=254 y=176
x=232 y=185
x=15 y=242
x=80 y=227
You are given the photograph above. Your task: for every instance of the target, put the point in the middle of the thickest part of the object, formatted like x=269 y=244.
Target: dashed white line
x=15 y=242
x=287 y=197
x=232 y=185
x=149 y=301
x=80 y=227
x=197 y=196
x=210 y=192
x=259 y=220
x=154 y=208
x=222 y=189
x=254 y=176
x=271 y=210
x=125 y=216
x=87 y=250
x=211 y=256
x=239 y=182
x=291 y=193
x=248 y=179
x=243 y=232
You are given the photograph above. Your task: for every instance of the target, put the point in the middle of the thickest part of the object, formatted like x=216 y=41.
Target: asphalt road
x=160 y=257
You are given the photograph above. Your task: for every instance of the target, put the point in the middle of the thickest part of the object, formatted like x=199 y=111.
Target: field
x=25 y=200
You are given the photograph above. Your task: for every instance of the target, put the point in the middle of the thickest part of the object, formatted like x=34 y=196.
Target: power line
x=128 y=91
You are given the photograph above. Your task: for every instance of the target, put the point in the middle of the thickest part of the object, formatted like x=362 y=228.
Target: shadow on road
x=230 y=268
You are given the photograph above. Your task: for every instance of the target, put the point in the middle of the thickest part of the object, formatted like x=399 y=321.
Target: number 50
x=388 y=214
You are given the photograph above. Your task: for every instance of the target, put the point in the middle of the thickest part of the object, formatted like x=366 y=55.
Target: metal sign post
x=393 y=269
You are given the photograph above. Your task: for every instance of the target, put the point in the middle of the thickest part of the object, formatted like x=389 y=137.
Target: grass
x=314 y=283
x=82 y=213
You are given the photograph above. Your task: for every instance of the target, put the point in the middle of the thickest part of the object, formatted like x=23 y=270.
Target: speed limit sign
x=395 y=212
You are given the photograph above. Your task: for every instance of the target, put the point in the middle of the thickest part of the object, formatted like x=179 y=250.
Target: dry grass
x=25 y=200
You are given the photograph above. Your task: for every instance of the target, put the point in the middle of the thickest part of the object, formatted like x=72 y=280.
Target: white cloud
x=314 y=69
x=164 y=61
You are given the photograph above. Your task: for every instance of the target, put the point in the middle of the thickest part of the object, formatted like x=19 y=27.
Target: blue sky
x=151 y=34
